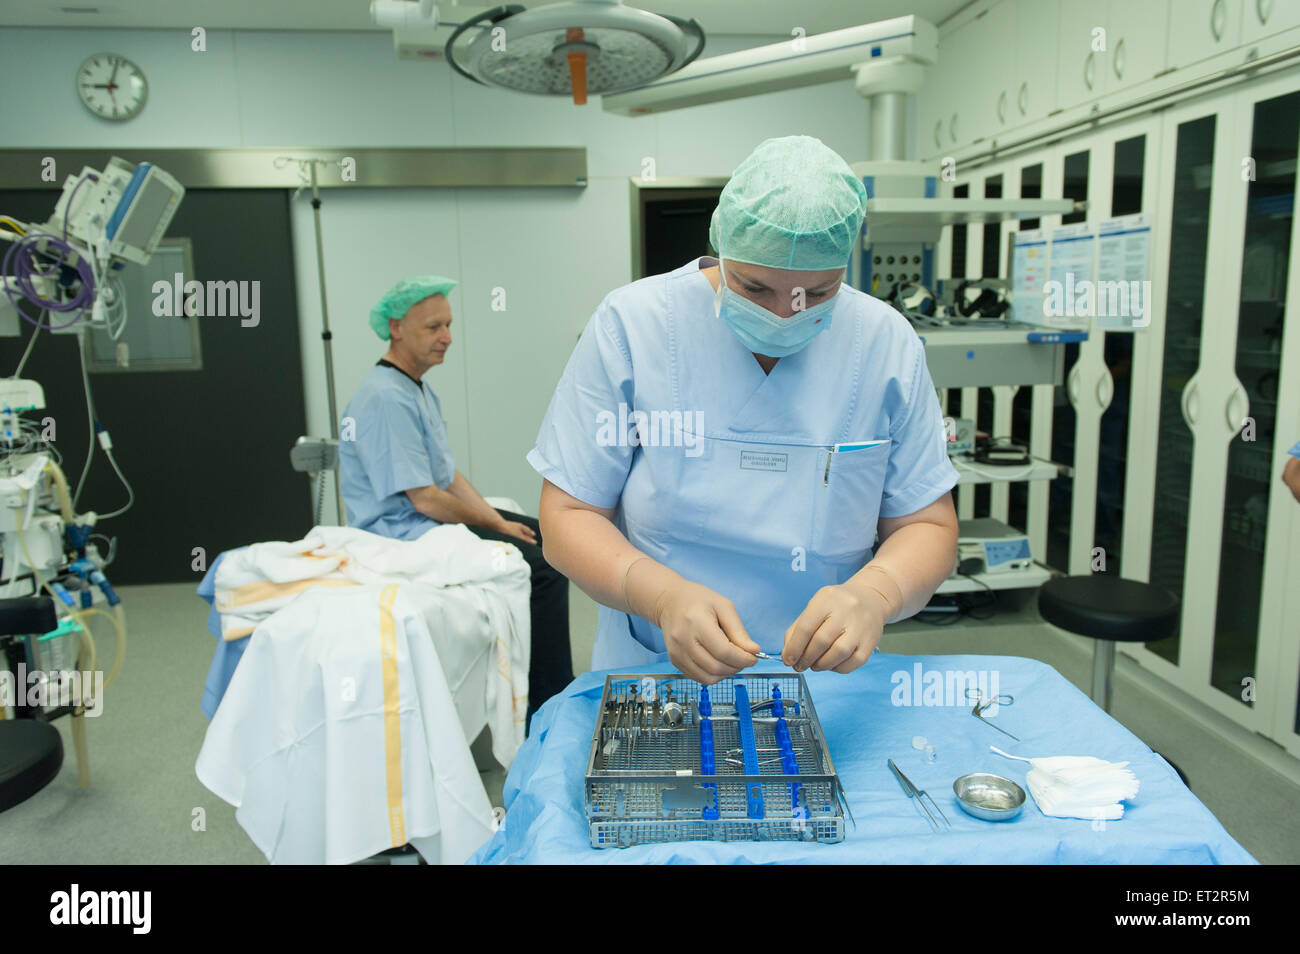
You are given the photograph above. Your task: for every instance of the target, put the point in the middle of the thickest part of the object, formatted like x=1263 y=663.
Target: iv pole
x=327 y=338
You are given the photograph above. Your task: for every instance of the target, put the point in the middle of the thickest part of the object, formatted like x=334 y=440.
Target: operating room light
x=572 y=49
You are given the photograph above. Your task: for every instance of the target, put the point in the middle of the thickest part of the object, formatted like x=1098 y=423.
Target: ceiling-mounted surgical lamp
x=572 y=49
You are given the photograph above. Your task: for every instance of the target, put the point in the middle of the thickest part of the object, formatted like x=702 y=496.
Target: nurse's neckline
x=764 y=361
x=712 y=270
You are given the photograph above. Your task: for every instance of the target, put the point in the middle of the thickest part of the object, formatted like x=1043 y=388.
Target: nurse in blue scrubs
x=746 y=454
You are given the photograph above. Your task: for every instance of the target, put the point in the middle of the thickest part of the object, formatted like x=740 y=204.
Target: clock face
x=111 y=86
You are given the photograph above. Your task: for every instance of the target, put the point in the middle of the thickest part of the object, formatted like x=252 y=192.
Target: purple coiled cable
x=22 y=265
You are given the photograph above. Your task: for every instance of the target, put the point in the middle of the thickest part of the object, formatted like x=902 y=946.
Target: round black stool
x=31 y=754
x=1108 y=609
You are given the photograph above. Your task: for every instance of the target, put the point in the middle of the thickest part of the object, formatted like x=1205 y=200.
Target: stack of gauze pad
x=1078 y=786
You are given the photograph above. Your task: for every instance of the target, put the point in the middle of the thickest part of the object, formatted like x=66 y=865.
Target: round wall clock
x=111 y=86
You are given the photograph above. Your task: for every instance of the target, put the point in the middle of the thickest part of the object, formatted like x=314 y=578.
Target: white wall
x=557 y=252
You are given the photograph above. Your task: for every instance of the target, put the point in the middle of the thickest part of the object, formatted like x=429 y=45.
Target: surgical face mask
x=766 y=333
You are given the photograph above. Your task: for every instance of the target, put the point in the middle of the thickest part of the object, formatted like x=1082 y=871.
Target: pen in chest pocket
x=845 y=449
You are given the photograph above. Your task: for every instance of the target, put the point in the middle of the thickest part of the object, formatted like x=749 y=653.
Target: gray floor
x=145 y=805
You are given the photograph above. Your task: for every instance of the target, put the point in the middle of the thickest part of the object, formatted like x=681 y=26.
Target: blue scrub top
x=762 y=487
x=392 y=439
x=1295 y=451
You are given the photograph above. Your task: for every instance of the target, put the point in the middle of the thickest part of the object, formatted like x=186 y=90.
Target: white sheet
x=473 y=595
x=330 y=759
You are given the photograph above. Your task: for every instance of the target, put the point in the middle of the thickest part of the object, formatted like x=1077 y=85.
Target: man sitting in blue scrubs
x=399 y=479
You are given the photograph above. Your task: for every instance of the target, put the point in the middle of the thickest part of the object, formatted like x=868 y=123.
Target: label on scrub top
x=763 y=460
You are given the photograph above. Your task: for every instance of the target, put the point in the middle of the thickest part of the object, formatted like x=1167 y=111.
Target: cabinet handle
x=1105 y=389
x=1238 y=407
x=952 y=127
x=1189 y=404
x=1072 y=386
x=938 y=130
x=1217 y=18
x=1023 y=98
x=1002 y=106
x=1117 y=62
x=1263 y=10
x=1089 y=70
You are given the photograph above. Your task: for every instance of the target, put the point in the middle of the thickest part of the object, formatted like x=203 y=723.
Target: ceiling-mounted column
x=887 y=84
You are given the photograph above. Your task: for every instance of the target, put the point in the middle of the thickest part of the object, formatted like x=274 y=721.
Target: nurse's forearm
x=910 y=564
x=584 y=545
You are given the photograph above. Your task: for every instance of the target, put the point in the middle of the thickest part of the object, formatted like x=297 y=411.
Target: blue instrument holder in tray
x=742 y=760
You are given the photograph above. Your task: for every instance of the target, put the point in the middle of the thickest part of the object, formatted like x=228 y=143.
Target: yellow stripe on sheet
x=263 y=590
x=392 y=715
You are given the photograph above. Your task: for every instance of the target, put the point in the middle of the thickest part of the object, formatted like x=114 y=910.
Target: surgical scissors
x=919 y=794
x=981 y=705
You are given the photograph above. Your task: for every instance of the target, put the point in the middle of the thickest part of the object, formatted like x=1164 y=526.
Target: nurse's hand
x=838 y=629
x=703 y=633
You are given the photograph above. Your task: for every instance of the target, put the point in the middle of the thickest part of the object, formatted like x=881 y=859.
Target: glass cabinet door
x=1189 y=245
x=1126 y=198
x=1222 y=406
x=1074 y=185
x=1265 y=259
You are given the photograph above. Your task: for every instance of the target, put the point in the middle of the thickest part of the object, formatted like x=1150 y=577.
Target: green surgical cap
x=793 y=203
x=402 y=296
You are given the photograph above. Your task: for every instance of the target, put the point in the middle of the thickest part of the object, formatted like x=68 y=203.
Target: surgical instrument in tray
x=981 y=705
x=737 y=766
x=919 y=795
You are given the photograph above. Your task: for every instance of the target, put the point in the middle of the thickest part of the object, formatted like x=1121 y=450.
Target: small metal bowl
x=990 y=797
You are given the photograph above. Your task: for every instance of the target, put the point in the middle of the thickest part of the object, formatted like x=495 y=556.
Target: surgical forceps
x=920 y=794
x=981 y=705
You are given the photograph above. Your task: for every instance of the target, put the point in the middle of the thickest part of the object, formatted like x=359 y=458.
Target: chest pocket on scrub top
x=848 y=499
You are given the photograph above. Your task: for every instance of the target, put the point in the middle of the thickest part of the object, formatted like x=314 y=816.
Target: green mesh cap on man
x=793 y=203
x=398 y=299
